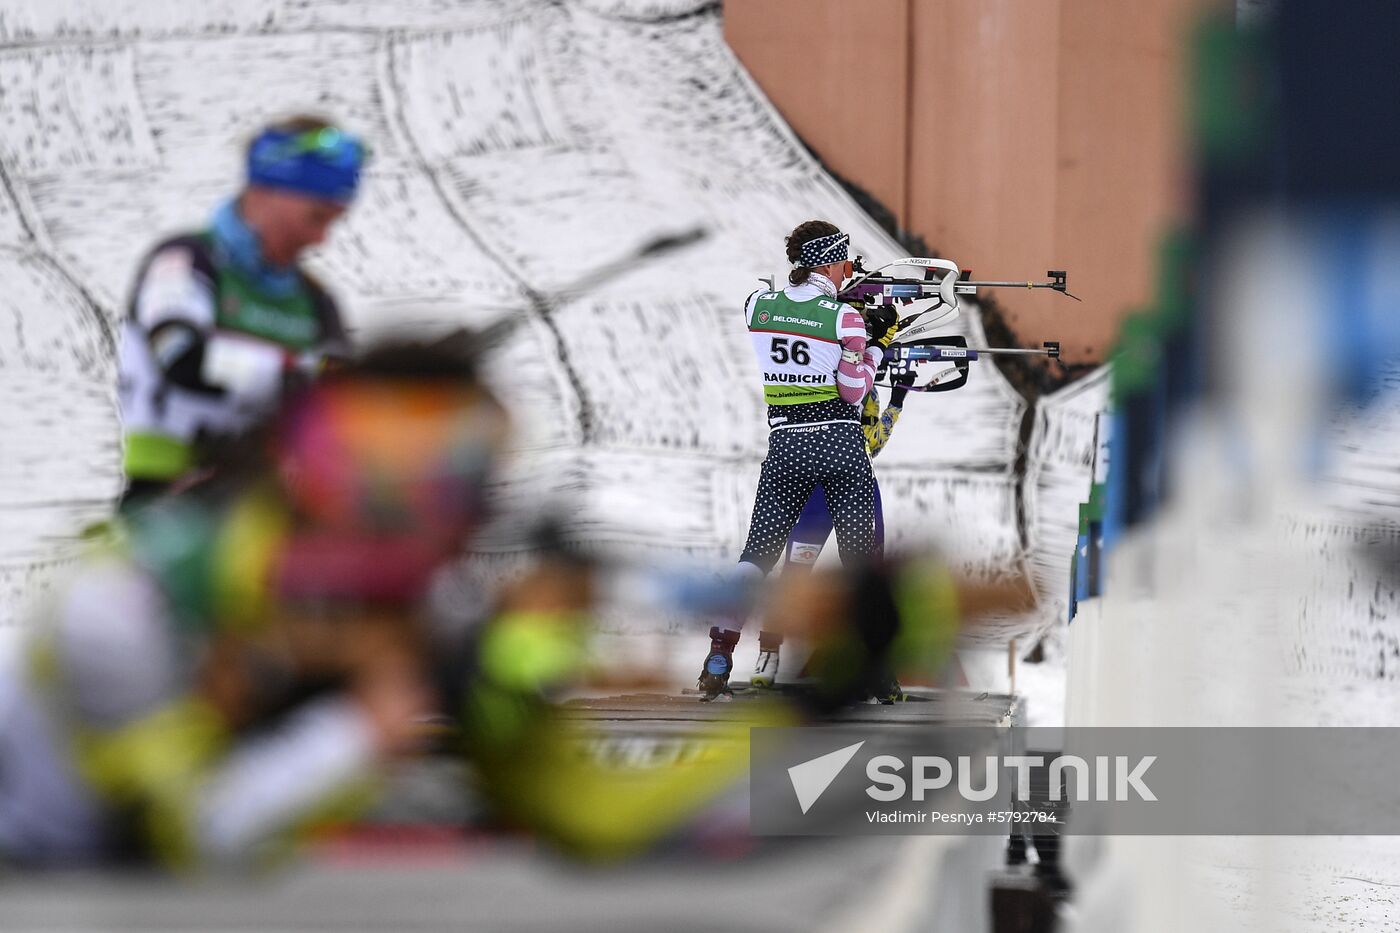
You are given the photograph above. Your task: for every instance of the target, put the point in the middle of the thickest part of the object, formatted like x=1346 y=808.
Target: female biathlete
x=813 y=526
x=816 y=365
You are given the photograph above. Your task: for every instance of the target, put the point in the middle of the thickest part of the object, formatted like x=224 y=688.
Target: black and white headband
x=823 y=250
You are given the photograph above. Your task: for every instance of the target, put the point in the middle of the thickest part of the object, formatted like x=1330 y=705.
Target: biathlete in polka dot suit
x=814 y=525
x=817 y=368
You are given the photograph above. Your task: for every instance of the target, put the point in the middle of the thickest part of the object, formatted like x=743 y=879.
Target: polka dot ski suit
x=815 y=443
x=800 y=458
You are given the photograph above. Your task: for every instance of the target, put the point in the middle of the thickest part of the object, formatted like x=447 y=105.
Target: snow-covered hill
x=517 y=145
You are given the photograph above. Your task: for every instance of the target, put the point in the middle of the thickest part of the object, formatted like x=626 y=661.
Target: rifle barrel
x=1013 y=351
x=1014 y=284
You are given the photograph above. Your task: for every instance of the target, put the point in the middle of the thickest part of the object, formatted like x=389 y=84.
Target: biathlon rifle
x=942 y=281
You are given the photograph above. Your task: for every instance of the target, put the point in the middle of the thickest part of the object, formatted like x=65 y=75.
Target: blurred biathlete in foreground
x=230 y=666
x=542 y=765
x=220 y=317
x=817 y=368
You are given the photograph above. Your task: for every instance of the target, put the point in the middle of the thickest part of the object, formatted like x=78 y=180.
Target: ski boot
x=714 y=676
x=765 y=669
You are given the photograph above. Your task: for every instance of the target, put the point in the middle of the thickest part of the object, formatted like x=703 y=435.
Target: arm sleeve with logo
x=877 y=425
x=879 y=435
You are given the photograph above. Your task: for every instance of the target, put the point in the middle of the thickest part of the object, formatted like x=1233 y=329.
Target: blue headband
x=322 y=163
x=823 y=250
